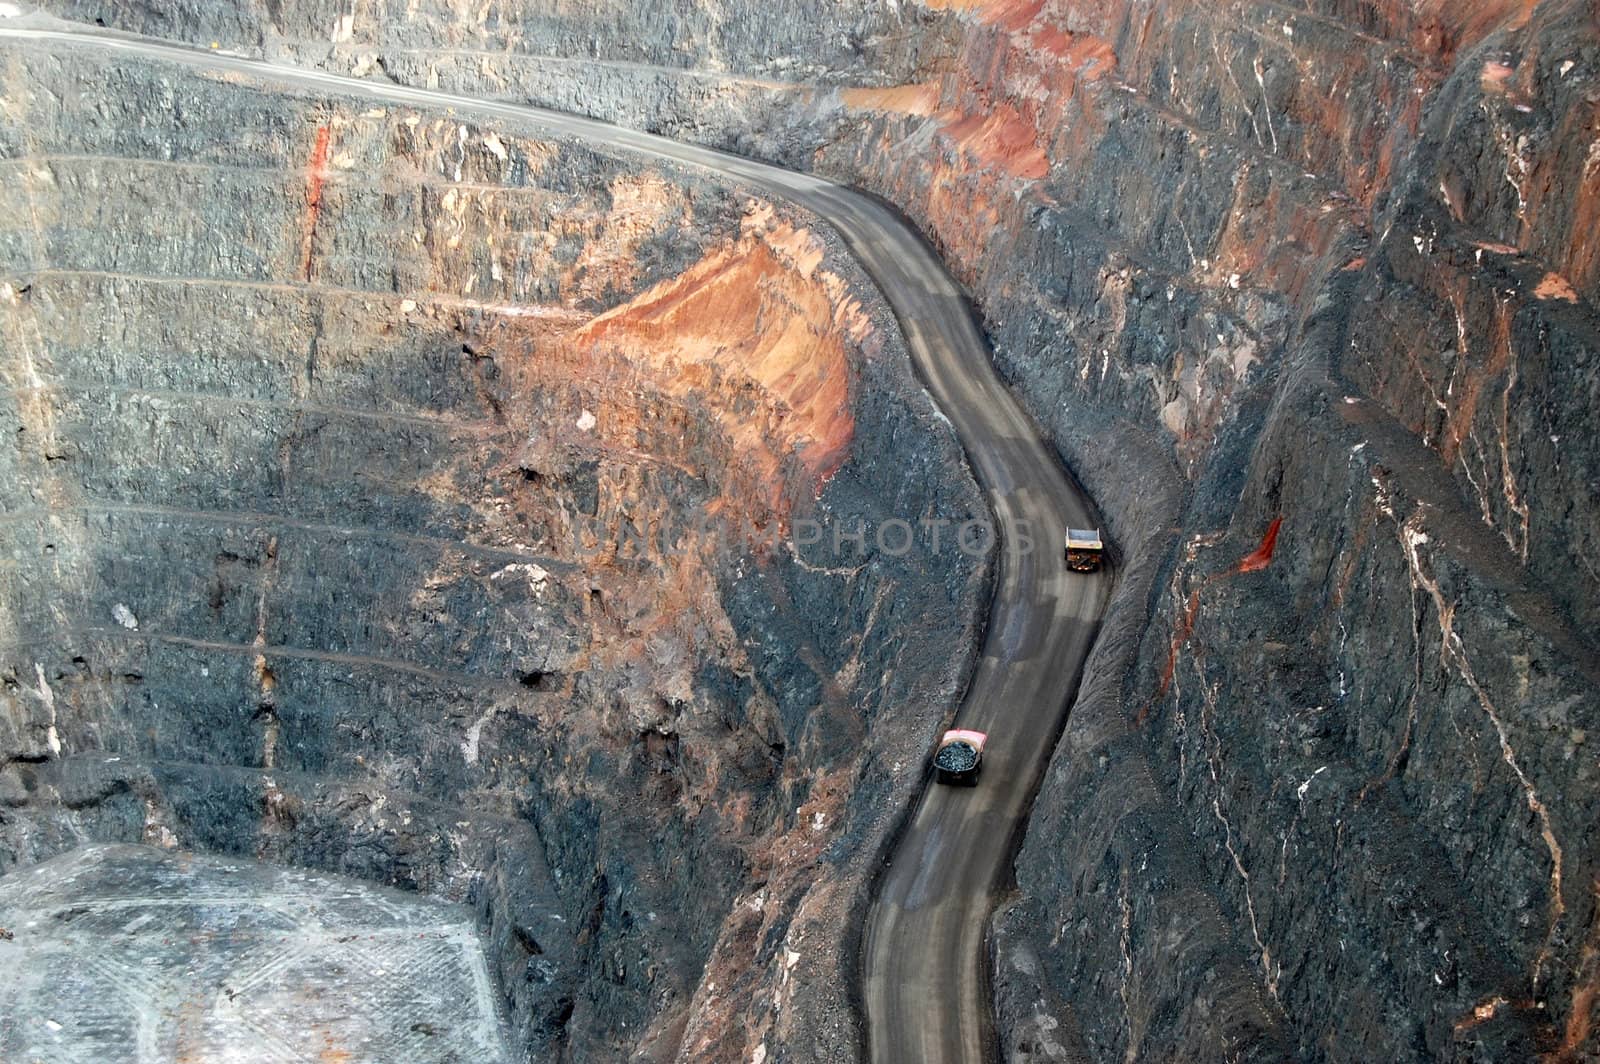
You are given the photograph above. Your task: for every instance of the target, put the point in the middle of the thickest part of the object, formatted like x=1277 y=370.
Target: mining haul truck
x=959 y=757
x=1085 y=550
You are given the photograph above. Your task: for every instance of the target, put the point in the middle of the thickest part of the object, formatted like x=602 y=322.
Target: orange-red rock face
x=755 y=320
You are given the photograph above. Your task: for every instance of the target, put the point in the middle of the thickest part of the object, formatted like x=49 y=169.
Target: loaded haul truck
x=959 y=757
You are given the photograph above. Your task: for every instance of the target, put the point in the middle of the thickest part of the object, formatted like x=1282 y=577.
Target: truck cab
x=959 y=757
x=1085 y=550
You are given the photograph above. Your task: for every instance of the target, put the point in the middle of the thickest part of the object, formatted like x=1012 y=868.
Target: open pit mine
x=844 y=531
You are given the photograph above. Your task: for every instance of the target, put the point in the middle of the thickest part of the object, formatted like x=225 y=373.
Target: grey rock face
x=1325 y=264
x=799 y=40
x=433 y=544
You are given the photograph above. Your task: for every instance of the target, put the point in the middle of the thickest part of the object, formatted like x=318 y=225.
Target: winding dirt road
x=925 y=969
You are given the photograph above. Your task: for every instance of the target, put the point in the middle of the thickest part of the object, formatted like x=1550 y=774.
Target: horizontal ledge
x=459 y=679
x=482 y=427
x=247 y=517
x=544 y=311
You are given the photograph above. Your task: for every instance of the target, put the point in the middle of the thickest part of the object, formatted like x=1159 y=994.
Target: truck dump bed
x=1085 y=549
x=1084 y=539
x=959 y=755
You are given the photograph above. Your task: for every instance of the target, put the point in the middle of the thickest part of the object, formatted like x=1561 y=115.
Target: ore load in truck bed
x=959 y=756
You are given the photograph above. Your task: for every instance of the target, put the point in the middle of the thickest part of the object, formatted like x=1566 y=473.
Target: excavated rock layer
x=1324 y=279
x=1306 y=295
x=407 y=498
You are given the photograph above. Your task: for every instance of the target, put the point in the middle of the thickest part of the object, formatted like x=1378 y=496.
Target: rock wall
x=761 y=83
x=1314 y=274
x=1305 y=294
x=796 y=41
x=410 y=498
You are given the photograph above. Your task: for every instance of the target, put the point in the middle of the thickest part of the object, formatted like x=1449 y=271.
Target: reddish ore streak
x=1262 y=557
x=1257 y=560
x=316 y=173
